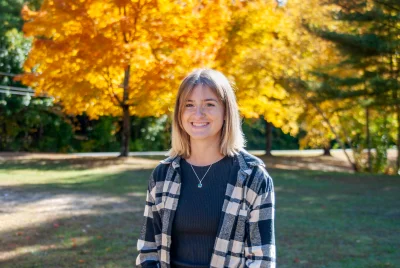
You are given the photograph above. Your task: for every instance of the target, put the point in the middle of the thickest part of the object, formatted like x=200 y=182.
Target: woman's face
x=203 y=115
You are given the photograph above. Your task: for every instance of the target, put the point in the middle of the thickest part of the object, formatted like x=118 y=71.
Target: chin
x=203 y=137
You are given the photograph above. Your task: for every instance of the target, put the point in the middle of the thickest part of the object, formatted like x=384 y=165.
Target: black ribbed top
x=198 y=213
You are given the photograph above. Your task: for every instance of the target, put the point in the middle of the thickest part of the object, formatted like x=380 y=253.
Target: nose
x=199 y=111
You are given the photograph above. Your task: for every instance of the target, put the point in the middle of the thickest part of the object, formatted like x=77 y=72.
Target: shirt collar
x=175 y=160
x=246 y=161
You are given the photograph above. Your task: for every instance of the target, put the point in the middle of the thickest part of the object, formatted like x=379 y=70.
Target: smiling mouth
x=199 y=124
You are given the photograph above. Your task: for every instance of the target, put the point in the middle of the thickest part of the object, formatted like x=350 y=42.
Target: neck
x=204 y=154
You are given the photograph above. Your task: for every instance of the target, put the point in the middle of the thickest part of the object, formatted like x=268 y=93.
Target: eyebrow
x=203 y=100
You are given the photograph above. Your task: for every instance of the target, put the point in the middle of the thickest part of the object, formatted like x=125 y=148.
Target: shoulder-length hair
x=232 y=139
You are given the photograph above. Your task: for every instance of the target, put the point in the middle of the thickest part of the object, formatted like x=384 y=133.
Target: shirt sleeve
x=260 y=231
x=148 y=244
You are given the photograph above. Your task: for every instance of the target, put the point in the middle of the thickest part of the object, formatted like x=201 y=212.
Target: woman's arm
x=260 y=241
x=147 y=244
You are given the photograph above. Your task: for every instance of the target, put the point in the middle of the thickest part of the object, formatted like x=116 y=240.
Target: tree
x=267 y=44
x=254 y=54
x=369 y=41
x=121 y=57
x=26 y=123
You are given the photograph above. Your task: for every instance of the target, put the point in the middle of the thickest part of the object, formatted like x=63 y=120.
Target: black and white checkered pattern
x=246 y=235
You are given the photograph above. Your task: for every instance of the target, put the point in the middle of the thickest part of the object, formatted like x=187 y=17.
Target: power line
x=16 y=92
x=23 y=89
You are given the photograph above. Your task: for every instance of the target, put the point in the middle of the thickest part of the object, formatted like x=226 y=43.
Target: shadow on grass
x=323 y=219
x=108 y=239
x=59 y=164
x=327 y=163
x=79 y=163
x=119 y=183
x=83 y=221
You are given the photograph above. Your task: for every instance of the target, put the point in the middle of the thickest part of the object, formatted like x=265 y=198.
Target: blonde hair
x=232 y=139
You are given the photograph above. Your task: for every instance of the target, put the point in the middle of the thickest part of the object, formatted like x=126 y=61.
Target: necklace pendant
x=199 y=185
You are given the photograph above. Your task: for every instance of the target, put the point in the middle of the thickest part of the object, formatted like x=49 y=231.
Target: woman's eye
x=189 y=105
x=210 y=104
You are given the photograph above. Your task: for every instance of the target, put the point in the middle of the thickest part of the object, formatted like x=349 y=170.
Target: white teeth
x=199 y=124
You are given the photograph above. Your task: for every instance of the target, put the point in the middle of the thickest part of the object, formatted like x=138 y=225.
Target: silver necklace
x=200 y=185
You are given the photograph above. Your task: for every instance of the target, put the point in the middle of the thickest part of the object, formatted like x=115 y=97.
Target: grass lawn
x=88 y=213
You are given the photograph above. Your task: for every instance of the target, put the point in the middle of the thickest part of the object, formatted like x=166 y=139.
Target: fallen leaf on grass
x=296 y=260
x=73 y=242
x=81 y=261
x=19 y=233
x=99 y=237
x=56 y=225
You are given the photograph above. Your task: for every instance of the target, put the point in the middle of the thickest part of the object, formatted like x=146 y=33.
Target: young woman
x=211 y=203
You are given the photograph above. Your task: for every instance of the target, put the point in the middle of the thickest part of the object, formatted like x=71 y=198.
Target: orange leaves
x=73 y=243
x=82 y=48
x=28 y=14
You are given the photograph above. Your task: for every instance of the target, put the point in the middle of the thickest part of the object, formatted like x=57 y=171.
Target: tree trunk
x=398 y=139
x=327 y=150
x=268 y=138
x=126 y=131
x=368 y=140
x=126 y=120
x=3 y=137
x=342 y=145
x=168 y=128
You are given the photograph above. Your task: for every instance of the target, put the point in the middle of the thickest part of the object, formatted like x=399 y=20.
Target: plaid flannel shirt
x=245 y=236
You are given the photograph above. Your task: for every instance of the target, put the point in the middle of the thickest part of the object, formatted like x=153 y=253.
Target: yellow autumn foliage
x=82 y=50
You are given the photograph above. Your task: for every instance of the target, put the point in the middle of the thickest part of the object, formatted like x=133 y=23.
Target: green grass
x=323 y=219
x=337 y=220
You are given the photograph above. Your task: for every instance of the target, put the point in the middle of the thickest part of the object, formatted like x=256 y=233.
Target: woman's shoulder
x=250 y=159
x=259 y=179
x=160 y=171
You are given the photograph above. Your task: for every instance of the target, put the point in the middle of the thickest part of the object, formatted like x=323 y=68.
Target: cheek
x=184 y=119
x=221 y=114
x=183 y=115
